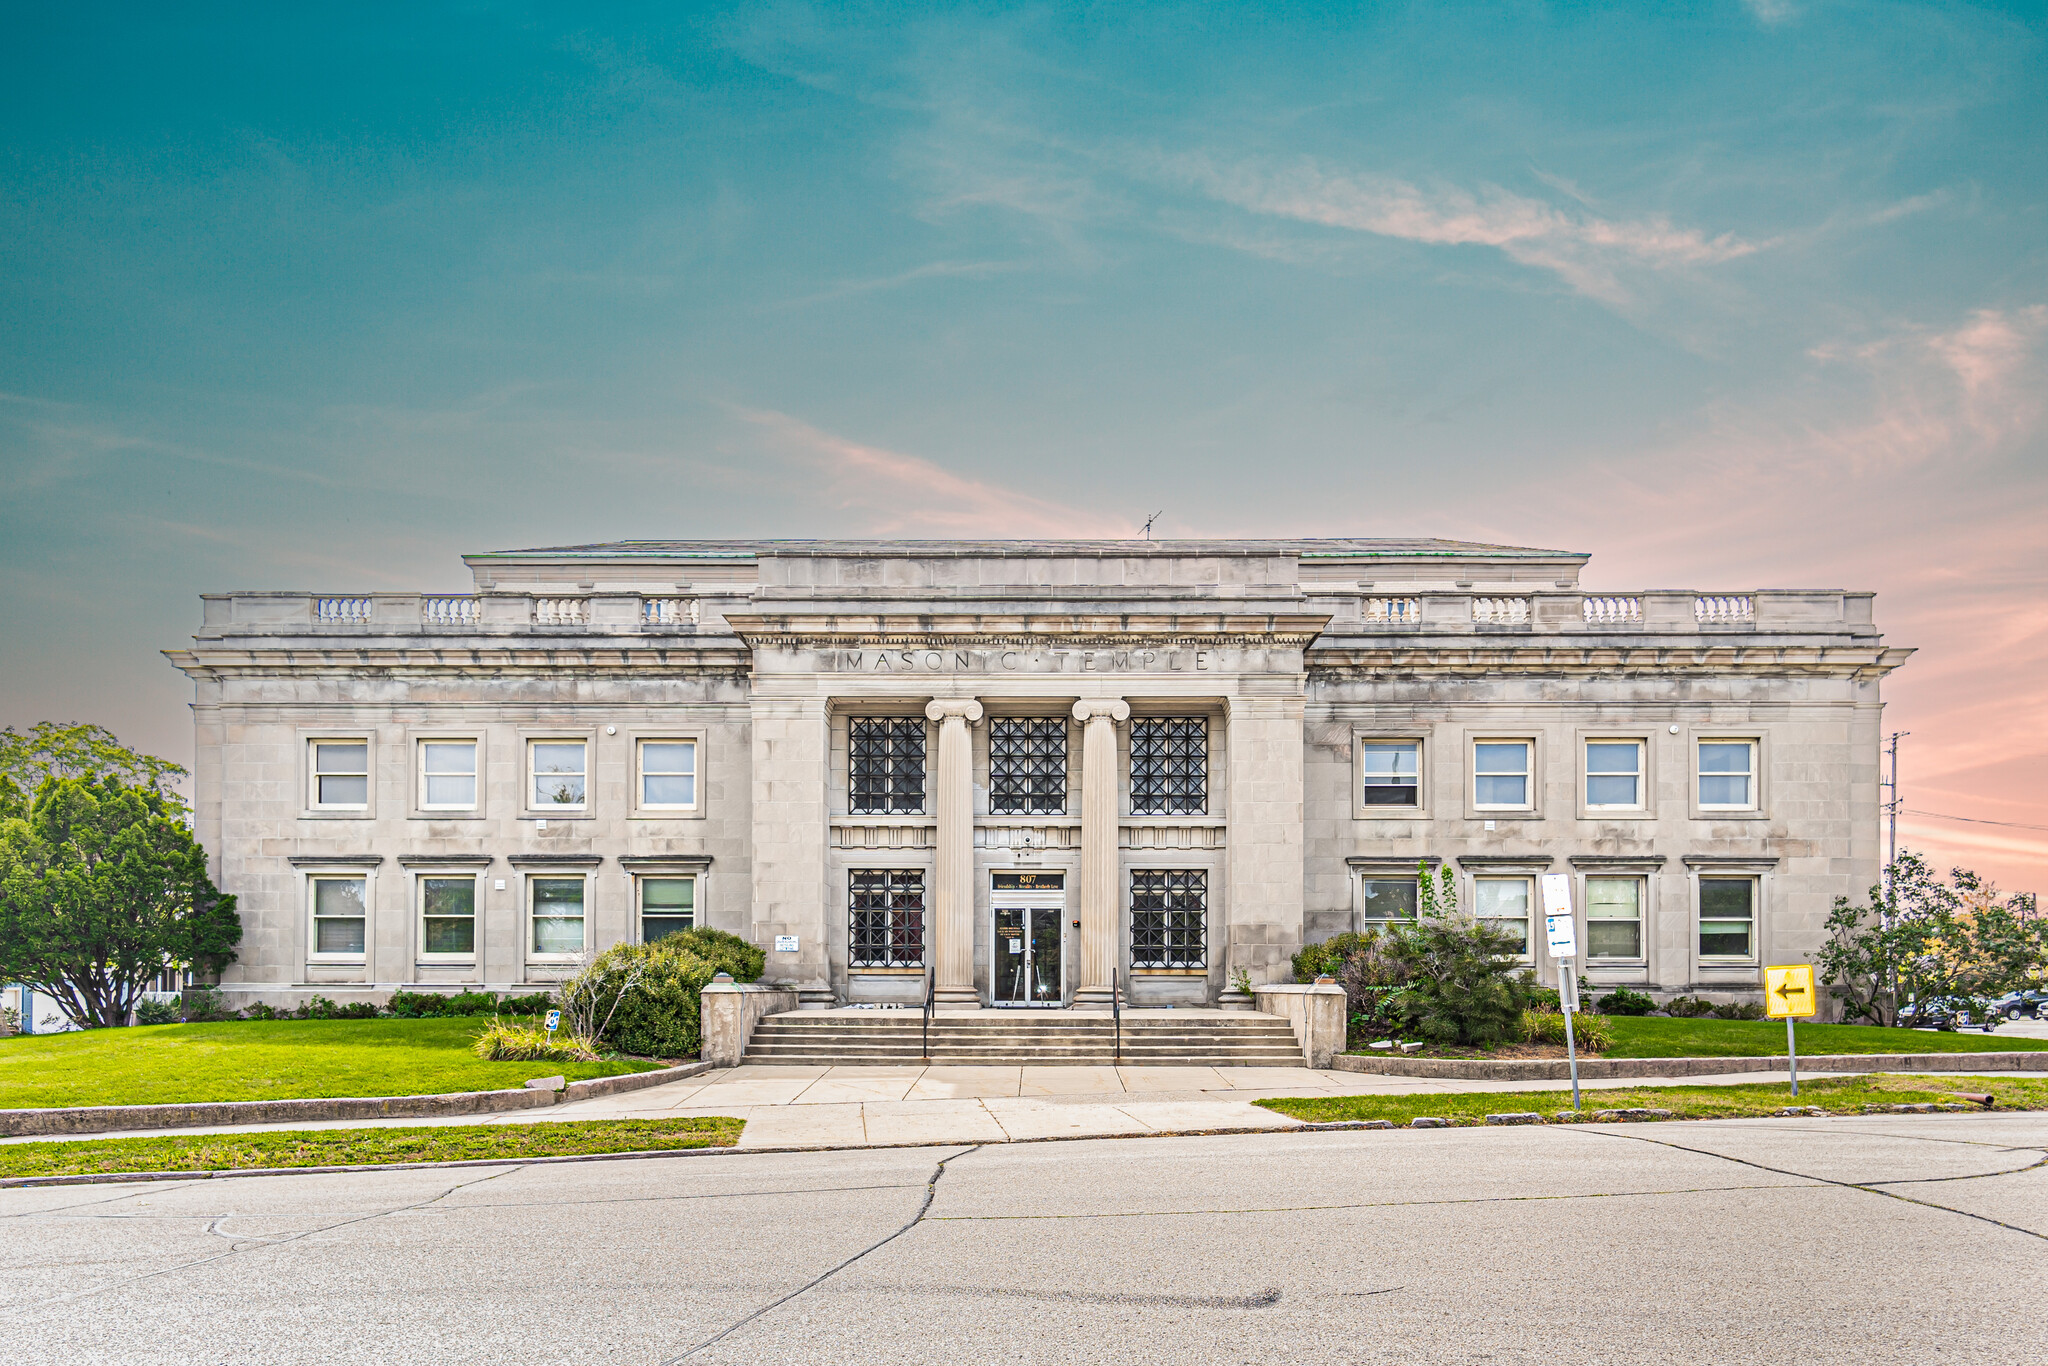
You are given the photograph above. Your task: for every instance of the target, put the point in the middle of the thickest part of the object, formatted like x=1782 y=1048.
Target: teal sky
x=1729 y=294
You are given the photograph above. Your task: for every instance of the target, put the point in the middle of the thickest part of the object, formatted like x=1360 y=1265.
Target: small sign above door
x=1030 y=882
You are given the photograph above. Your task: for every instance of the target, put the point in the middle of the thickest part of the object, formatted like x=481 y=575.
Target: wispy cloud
x=898 y=494
x=1582 y=249
x=935 y=270
x=1771 y=12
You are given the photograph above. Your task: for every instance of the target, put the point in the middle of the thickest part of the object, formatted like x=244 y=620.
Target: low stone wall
x=1601 y=1069
x=1315 y=1012
x=100 y=1119
x=730 y=1012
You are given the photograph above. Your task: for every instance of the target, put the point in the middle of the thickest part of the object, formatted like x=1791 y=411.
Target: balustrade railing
x=454 y=611
x=1719 y=610
x=1500 y=611
x=560 y=611
x=341 y=609
x=1613 y=611
x=1393 y=611
x=668 y=611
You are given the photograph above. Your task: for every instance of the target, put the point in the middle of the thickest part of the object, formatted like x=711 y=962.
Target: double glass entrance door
x=1027 y=945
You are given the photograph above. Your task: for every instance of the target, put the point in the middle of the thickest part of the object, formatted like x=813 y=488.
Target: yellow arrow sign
x=1789 y=993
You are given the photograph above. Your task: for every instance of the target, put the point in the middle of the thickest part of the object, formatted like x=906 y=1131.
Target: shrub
x=724 y=952
x=1622 y=1001
x=473 y=1003
x=319 y=1008
x=1589 y=1032
x=506 y=1041
x=206 y=1005
x=1327 y=958
x=539 y=1003
x=260 y=1011
x=1744 y=1010
x=1460 y=982
x=1688 y=1007
x=150 y=1011
x=418 y=1005
x=644 y=999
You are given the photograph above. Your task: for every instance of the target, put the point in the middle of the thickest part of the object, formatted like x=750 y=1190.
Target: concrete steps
x=1014 y=1037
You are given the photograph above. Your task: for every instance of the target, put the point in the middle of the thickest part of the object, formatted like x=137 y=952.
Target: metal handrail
x=931 y=983
x=1116 y=1006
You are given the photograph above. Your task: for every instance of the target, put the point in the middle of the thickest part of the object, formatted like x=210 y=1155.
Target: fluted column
x=953 y=890
x=1099 y=892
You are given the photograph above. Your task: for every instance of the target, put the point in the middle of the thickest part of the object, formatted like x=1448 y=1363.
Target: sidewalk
x=870 y=1106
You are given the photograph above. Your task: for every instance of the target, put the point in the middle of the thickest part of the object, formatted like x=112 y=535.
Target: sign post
x=554 y=1019
x=1564 y=947
x=1789 y=995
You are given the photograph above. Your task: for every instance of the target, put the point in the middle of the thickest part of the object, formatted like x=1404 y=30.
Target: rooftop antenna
x=1147 y=532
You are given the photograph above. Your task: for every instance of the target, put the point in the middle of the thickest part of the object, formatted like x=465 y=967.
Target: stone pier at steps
x=841 y=1038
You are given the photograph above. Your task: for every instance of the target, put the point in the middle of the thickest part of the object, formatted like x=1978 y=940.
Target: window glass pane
x=338 y=936
x=1724 y=758
x=1614 y=917
x=1390 y=772
x=1169 y=920
x=445 y=757
x=1501 y=758
x=1499 y=791
x=885 y=765
x=448 y=905
x=1614 y=939
x=668 y=756
x=1723 y=791
x=338 y=905
x=668 y=789
x=1384 y=898
x=1504 y=904
x=1169 y=766
x=558 y=915
x=667 y=904
x=1612 y=774
x=338 y=896
x=448 y=789
x=558 y=774
x=1607 y=757
x=344 y=791
x=887 y=908
x=1727 y=911
x=1027 y=762
x=1502 y=774
x=350 y=758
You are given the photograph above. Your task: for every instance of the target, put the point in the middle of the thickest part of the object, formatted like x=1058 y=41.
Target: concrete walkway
x=872 y=1106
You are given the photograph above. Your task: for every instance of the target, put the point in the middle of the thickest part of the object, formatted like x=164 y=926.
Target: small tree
x=55 y=749
x=102 y=887
x=1921 y=938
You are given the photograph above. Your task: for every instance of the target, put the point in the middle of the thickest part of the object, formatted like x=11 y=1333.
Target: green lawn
x=1646 y=1036
x=271 y=1060
x=1847 y=1095
x=363 y=1147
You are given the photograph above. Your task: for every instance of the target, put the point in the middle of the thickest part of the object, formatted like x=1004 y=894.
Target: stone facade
x=1313 y=719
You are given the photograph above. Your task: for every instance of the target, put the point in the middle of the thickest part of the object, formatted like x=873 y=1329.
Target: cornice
x=1136 y=630
x=340 y=661
x=1600 y=661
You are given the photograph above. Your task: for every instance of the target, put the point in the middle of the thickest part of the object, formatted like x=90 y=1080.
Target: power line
x=1976 y=820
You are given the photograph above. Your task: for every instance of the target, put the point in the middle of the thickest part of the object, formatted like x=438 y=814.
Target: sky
x=1729 y=295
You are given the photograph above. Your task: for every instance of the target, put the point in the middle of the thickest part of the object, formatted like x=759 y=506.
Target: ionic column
x=953 y=890
x=1099 y=892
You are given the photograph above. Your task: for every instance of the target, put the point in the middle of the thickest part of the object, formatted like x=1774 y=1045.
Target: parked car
x=1948 y=1013
x=2021 y=1005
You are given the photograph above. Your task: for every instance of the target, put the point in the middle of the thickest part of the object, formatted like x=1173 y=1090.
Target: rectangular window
x=340 y=909
x=1169 y=918
x=667 y=904
x=1614 y=773
x=558 y=774
x=557 y=915
x=1027 y=766
x=888 y=918
x=1385 y=899
x=1614 y=917
x=448 y=775
x=1503 y=902
x=885 y=765
x=1169 y=766
x=341 y=774
x=1727 y=917
x=1727 y=775
x=448 y=916
x=1391 y=770
x=1500 y=774
x=668 y=774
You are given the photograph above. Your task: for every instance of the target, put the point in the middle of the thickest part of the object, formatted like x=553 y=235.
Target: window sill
x=573 y=814
x=360 y=813
x=658 y=814
x=1169 y=972
x=885 y=972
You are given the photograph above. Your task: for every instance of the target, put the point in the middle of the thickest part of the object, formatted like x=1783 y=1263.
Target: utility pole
x=1891 y=812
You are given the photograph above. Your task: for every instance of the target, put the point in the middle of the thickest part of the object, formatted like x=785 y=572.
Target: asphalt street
x=1879 y=1239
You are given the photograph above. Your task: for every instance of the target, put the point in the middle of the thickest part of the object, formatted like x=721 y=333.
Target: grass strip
x=364 y=1147
x=1649 y=1036
x=265 y=1060
x=1838 y=1096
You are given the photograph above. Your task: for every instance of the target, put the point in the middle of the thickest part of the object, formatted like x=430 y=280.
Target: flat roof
x=1304 y=547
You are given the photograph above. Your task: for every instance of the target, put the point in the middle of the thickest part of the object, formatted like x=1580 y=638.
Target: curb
x=99 y=1119
x=1599 y=1069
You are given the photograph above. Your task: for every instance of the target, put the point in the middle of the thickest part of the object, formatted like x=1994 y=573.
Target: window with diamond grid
x=885 y=759
x=888 y=918
x=1027 y=766
x=1169 y=766
x=1169 y=918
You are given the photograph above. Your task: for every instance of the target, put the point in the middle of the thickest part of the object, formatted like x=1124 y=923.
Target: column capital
x=940 y=708
x=1114 y=708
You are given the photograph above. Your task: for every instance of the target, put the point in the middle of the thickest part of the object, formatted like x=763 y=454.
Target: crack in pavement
x=213 y=1228
x=931 y=1191
x=1363 y=1204
x=153 y=1188
x=1869 y=1188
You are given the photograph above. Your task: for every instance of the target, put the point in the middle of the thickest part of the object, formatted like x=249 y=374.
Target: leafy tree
x=75 y=750
x=1921 y=938
x=102 y=887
